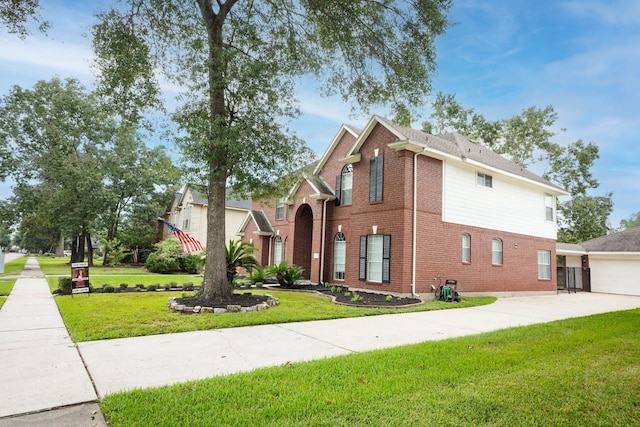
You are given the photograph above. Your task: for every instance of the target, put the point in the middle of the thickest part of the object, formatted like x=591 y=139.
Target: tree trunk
x=60 y=248
x=87 y=236
x=215 y=285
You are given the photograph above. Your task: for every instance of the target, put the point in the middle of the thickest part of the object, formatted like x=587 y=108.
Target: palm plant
x=239 y=255
x=285 y=273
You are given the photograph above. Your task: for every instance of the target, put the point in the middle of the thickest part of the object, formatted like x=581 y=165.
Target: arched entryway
x=303 y=237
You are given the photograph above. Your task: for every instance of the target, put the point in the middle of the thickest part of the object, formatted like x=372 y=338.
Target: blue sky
x=580 y=56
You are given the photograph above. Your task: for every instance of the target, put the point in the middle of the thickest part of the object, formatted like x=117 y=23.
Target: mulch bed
x=244 y=300
x=369 y=299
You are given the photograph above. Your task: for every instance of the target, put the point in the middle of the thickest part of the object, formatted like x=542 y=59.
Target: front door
x=303 y=238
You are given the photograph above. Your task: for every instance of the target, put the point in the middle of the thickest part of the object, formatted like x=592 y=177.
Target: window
x=279 y=210
x=544 y=265
x=277 y=251
x=484 y=180
x=339 y=256
x=375 y=258
x=344 y=186
x=496 y=252
x=466 y=248
x=548 y=207
x=376 y=166
x=186 y=222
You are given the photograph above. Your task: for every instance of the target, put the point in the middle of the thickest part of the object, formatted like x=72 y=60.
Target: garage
x=608 y=264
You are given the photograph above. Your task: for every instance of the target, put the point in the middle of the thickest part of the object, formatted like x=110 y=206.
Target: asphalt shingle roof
x=624 y=241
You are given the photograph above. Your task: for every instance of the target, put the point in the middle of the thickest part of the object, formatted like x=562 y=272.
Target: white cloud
x=611 y=12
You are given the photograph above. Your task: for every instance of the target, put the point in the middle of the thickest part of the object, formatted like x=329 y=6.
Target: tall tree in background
x=527 y=140
x=237 y=63
x=49 y=145
x=632 y=221
x=78 y=168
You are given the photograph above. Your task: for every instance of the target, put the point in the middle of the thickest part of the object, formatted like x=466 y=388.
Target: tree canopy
x=238 y=62
x=15 y=16
x=632 y=221
x=75 y=165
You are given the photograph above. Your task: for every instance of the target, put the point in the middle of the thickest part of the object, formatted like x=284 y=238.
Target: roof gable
x=334 y=143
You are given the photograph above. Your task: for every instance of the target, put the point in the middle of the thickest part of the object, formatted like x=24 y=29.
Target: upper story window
x=344 y=186
x=376 y=167
x=484 y=180
x=279 y=210
x=186 y=220
x=548 y=207
x=496 y=252
x=466 y=248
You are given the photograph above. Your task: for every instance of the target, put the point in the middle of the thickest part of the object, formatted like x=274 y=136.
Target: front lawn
x=575 y=372
x=51 y=265
x=15 y=267
x=6 y=285
x=100 y=316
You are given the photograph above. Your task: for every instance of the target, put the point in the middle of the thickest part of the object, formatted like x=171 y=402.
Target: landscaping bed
x=342 y=295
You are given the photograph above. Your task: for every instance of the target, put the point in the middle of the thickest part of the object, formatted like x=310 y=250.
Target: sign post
x=79 y=277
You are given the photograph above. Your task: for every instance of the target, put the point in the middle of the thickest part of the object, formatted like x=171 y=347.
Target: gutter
x=415 y=216
x=322 y=242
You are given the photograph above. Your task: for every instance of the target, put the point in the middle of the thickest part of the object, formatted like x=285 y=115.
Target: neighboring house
x=608 y=264
x=389 y=209
x=188 y=212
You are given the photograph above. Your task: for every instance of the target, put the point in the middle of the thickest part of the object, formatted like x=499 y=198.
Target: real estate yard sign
x=79 y=277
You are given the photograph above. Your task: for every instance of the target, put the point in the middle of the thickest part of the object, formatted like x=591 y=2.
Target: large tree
x=527 y=139
x=237 y=62
x=78 y=168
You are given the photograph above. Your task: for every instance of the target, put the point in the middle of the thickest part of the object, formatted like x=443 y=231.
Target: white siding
x=233 y=220
x=510 y=205
x=615 y=276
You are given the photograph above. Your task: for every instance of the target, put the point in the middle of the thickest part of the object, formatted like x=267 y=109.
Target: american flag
x=189 y=244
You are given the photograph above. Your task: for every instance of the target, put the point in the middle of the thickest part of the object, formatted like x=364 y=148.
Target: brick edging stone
x=181 y=308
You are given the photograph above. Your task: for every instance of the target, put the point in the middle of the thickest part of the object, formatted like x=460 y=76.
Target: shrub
x=389 y=298
x=239 y=255
x=187 y=286
x=153 y=288
x=124 y=285
x=166 y=259
x=286 y=274
x=139 y=286
x=64 y=284
x=192 y=264
x=108 y=289
x=257 y=276
x=166 y=286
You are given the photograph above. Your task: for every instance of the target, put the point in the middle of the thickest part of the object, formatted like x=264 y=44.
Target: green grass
x=103 y=316
x=15 y=267
x=5 y=289
x=576 y=372
x=51 y=265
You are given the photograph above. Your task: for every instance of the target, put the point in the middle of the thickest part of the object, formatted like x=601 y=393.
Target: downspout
x=415 y=215
x=270 y=237
x=324 y=230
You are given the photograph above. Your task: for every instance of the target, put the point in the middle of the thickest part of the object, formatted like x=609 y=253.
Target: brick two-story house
x=389 y=209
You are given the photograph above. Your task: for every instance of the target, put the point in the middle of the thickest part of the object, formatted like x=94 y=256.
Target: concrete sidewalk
x=124 y=364
x=40 y=366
